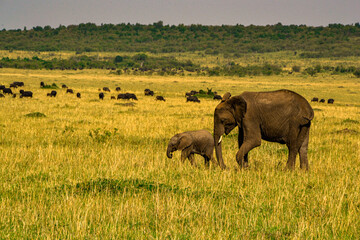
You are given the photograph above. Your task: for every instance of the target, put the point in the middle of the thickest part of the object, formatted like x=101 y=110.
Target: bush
x=35 y=114
x=52 y=86
x=118 y=59
x=311 y=71
x=296 y=68
x=357 y=73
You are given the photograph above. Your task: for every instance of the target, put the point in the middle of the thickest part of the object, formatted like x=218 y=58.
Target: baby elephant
x=200 y=142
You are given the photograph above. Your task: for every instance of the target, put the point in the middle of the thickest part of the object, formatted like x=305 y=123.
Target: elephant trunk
x=218 y=151
x=169 y=152
x=218 y=133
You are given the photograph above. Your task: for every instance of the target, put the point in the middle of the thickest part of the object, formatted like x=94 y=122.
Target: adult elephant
x=279 y=116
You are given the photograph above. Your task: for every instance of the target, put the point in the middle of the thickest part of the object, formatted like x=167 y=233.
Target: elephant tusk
x=220 y=140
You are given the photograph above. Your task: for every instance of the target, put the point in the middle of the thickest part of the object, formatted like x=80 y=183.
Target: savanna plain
x=90 y=169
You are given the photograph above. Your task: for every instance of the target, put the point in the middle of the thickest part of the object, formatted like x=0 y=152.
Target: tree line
x=148 y=65
x=138 y=64
x=334 y=40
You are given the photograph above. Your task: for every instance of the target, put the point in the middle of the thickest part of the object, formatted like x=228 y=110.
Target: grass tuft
x=35 y=115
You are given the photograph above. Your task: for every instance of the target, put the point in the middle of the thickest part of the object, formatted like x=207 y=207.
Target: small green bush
x=35 y=115
x=357 y=73
x=52 y=86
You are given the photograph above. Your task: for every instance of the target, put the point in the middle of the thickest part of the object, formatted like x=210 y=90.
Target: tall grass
x=96 y=169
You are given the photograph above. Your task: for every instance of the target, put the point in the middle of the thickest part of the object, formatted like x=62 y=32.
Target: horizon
x=170 y=25
x=19 y=14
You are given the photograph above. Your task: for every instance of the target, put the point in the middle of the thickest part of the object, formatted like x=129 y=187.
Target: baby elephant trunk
x=169 y=152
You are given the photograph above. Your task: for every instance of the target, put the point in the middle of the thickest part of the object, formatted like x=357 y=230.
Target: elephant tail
x=307 y=116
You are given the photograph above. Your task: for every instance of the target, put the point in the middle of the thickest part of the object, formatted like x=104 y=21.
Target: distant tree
x=118 y=59
x=140 y=57
x=158 y=24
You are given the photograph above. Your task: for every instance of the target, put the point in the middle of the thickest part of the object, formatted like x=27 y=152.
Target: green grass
x=98 y=169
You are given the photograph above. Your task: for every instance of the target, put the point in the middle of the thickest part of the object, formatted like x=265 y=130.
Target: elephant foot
x=224 y=167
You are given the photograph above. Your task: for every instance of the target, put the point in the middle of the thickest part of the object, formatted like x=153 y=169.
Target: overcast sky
x=16 y=14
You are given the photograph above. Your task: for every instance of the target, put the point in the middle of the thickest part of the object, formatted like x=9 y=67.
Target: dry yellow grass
x=98 y=169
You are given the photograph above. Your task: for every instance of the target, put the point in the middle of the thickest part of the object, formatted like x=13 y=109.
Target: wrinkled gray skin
x=200 y=142
x=279 y=116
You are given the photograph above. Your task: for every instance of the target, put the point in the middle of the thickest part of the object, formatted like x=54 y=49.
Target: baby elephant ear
x=185 y=141
x=226 y=97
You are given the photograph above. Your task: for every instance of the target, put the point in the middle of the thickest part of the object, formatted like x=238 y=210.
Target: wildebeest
x=1 y=95
x=106 y=89
x=112 y=97
x=192 y=99
x=42 y=84
x=322 y=100
x=314 y=99
x=127 y=96
x=193 y=92
x=7 y=91
x=118 y=89
x=2 y=87
x=12 y=85
x=69 y=90
x=53 y=93
x=330 y=101
x=78 y=95
x=148 y=92
x=101 y=96
x=217 y=97
x=64 y=86
x=19 y=84
x=160 y=98
x=26 y=94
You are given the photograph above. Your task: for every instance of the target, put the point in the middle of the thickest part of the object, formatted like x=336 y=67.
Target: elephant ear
x=226 y=97
x=239 y=105
x=185 y=141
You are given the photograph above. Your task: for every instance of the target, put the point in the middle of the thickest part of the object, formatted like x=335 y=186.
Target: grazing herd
x=190 y=96
x=329 y=101
x=14 y=85
x=53 y=93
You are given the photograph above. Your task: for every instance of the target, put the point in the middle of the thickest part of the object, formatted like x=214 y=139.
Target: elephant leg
x=292 y=157
x=293 y=150
x=207 y=161
x=297 y=139
x=240 y=142
x=213 y=160
x=185 y=153
x=246 y=161
x=304 y=164
x=192 y=160
x=243 y=151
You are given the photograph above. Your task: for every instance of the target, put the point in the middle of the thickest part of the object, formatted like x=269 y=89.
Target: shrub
x=118 y=59
x=311 y=71
x=296 y=68
x=357 y=73
x=35 y=114
x=52 y=86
